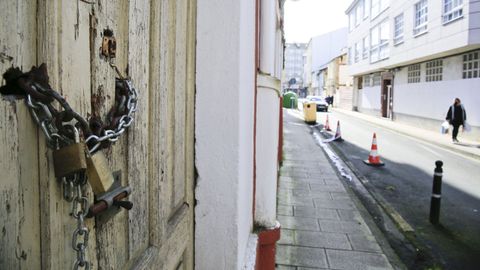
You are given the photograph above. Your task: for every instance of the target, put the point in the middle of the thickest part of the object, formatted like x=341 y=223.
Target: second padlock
x=99 y=174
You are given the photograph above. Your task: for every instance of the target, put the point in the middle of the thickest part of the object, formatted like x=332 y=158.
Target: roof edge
x=352 y=5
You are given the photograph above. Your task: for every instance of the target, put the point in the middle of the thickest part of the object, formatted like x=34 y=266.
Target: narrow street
x=405 y=182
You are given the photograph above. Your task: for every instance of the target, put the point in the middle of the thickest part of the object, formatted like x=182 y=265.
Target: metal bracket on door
x=108 y=204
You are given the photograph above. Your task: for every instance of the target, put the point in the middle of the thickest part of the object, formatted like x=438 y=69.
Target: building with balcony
x=411 y=58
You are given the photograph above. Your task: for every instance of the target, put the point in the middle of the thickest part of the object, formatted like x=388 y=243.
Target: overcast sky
x=305 y=19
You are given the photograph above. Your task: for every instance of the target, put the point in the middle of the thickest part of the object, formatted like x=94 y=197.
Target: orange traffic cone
x=374 y=158
x=327 y=125
x=338 y=134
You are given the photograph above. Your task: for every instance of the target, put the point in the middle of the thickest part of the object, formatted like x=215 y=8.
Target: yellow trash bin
x=310 y=112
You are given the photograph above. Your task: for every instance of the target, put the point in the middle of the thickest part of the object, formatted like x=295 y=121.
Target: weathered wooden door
x=156 y=48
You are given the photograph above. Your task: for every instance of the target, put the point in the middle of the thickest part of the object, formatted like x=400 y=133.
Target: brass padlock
x=70 y=159
x=99 y=174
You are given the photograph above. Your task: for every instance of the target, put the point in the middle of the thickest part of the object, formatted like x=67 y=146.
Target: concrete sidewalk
x=465 y=147
x=322 y=227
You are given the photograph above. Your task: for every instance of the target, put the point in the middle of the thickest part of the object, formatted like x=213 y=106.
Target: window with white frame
x=358 y=13
x=434 y=70
x=378 y=6
x=367 y=82
x=349 y=56
x=421 y=17
x=365 y=47
x=379 y=41
x=357 y=52
x=471 y=65
x=377 y=79
x=375 y=8
x=351 y=20
x=414 y=73
x=398 y=30
x=374 y=43
x=452 y=10
x=366 y=8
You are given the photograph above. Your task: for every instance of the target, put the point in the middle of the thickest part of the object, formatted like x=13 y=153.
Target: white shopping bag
x=466 y=127
x=445 y=127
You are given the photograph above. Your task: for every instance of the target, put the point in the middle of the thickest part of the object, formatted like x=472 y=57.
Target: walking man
x=456 y=116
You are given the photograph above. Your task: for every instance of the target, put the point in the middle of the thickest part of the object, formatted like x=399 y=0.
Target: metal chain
x=68 y=189
x=79 y=211
x=124 y=122
x=43 y=117
x=53 y=125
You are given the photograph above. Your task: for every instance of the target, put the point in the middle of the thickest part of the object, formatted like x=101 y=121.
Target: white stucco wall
x=432 y=99
x=370 y=98
x=224 y=132
x=268 y=23
x=246 y=88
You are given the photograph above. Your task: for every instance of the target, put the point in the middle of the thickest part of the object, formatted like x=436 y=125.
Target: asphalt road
x=405 y=182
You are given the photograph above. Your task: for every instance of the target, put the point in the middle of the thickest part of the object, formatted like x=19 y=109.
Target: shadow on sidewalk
x=456 y=243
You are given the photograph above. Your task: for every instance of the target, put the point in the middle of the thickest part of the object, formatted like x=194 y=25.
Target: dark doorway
x=386 y=85
x=387 y=95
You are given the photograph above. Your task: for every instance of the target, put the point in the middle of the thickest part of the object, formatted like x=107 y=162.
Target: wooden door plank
x=47 y=33
x=74 y=85
x=138 y=134
x=112 y=235
x=28 y=240
x=170 y=35
x=157 y=128
x=9 y=185
x=178 y=196
x=63 y=39
x=20 y=222
x=190 y=129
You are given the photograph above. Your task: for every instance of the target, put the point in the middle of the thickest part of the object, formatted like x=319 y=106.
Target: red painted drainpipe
x=266 y=248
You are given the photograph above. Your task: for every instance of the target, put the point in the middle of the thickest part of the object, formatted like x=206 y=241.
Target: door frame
x=386 y=95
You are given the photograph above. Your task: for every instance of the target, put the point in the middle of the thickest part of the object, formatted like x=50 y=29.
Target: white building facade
x=324 y=49
x=411 y=58
x=307 y=68
x=294 y=63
